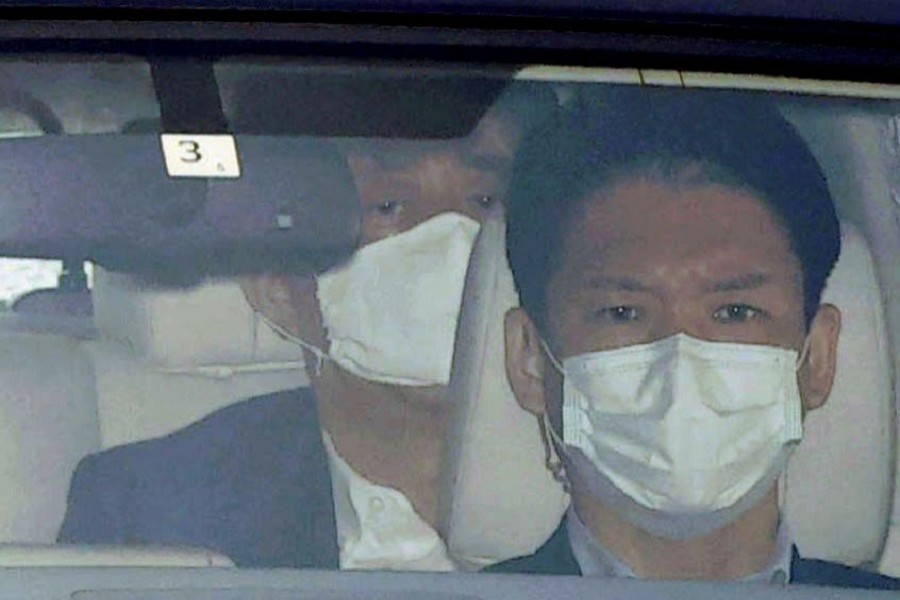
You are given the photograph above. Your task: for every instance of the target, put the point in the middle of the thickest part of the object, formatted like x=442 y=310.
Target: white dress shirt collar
x=377 y=526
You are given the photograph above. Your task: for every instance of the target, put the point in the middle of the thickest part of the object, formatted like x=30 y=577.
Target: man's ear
x=288 y=301
x=816 y=375
x=264 y=292
x=524 y=361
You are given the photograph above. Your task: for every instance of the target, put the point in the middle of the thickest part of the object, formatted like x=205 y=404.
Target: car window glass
x=306 y=275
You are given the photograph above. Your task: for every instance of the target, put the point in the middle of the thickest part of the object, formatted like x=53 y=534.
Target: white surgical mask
x=680 y=436
x=390 y=313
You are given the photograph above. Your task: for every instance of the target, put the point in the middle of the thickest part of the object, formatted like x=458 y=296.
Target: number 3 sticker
x=188 y=155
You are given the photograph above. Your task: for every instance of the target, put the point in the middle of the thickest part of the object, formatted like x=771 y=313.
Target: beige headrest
x=500 y=501
x=839 y=480
x=498 y=498
x=210 y=324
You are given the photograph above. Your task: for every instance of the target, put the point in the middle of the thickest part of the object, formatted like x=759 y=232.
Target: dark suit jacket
x=555 y=558
x=250 y=481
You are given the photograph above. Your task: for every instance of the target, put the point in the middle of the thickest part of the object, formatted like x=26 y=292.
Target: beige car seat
x=840 y=479
x=48 y=421
x=167 y=357
x=157 y=361
x=499 y=500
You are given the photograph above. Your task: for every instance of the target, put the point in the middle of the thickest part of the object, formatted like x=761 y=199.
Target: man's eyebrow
x=486 y=163
x=749 y=281
x=621 y=284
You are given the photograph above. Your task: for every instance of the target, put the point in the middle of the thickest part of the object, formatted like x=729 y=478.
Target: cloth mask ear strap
x=321 y=355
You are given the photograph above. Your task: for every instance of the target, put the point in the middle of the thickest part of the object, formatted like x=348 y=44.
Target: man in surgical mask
x=378 y=334
x=344 y=474
x=670 y=253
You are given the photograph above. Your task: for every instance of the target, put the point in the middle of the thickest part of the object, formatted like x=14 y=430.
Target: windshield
x=265 y=312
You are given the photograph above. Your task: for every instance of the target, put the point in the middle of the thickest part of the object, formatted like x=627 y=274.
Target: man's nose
x=678 y=318
x=663 y=327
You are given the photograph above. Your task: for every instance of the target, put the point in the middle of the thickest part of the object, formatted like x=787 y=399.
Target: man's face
x=646 y=259
x=402 y=183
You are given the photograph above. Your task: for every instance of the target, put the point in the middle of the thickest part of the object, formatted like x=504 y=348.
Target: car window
x=417 y=316
x=23 y=275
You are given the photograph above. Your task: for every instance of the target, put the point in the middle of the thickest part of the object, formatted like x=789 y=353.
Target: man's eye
x=482 y=201
x=619 y=314
x=736 y=313
x=388 y=208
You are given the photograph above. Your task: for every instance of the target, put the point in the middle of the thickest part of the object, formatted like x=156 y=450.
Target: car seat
x=499 y=501
x=48 y=421
x=168 y=356
x=70 y=298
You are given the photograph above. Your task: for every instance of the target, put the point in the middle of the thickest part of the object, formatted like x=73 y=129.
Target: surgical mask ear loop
x=553 y=463
x=552 y=358
x=782 y=493
x=804 y=352
x=782 y=478
x=281 y=332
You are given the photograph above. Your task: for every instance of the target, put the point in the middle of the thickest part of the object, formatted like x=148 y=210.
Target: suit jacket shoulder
x=250 y=481
x=555 y=557
x=820 y=572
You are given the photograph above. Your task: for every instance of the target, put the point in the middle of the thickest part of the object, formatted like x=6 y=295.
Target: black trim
x=792 y=47
x=188 y=96
x=870 y=12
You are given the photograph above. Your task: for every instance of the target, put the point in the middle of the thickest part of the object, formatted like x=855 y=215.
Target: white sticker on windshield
x=189 y=155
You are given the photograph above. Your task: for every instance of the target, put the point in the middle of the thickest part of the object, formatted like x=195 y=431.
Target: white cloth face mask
x=390 y=313
x=681 y=435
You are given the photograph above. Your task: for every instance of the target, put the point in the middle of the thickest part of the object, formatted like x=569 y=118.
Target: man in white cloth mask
x=670 y=252
x=344 y=474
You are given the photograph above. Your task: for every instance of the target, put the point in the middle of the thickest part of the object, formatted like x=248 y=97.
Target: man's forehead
x=400 y=159
x=644 y=223
x=494 y=135
x=390 y=153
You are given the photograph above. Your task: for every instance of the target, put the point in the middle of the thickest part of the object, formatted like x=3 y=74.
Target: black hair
x=526 y=105
x=736 y=140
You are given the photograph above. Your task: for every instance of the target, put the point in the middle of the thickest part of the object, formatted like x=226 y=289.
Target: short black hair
x=737 y=140
x=526 y=105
